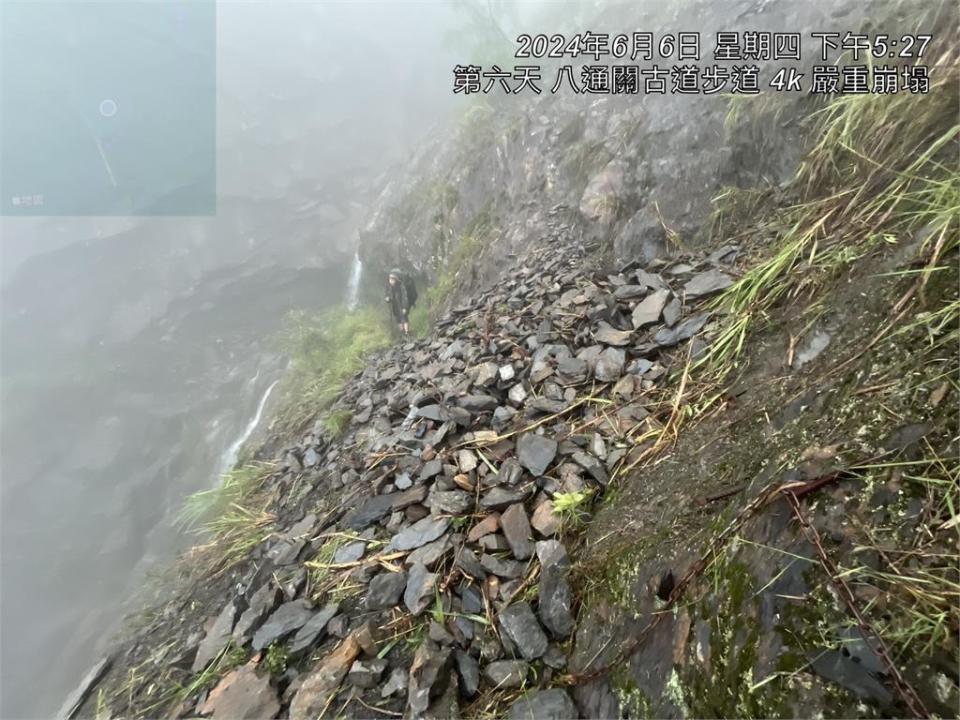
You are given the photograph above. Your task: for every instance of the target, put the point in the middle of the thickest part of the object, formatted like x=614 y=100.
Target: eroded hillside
x=708 y=480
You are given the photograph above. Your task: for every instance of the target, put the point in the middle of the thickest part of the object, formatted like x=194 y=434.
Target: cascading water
x=353 y=286
x=229 y=458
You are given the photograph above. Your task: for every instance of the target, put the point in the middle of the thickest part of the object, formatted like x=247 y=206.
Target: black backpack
x=411 y=289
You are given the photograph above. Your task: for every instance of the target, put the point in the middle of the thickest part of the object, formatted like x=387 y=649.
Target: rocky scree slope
x=418 y=564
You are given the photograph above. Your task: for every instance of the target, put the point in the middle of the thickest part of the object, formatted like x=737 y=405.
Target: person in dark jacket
x=399 y=300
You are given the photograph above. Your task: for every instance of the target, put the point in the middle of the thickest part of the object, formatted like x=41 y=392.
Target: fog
x=137 y=323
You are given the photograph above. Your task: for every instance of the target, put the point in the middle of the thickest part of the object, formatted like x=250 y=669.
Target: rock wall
x=639 y=171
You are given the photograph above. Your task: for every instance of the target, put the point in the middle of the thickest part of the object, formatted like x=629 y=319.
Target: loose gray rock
x=501 y=568
x=552 y=704
x=611 y=336
x=420 y=533
x=610 y=365
x=429 y=554
x=287 y=618
x=397 y=682
x=366 y=673
x=428 y=676
x=555 y=599
x=684 y=331
x=452 y=502
x=314 y=629
x=216 y=638
x=648 y=311
x=517 y=394
x=469 y=671
x=593 y=466
x=419 y=592
x=385 y=590
x=506 y=674
x=351 y=552
x=431 y=469
x=706 y=283
x=500 y=497
x=261 y=605
x=516 y=528
x=370 y=512
x=478 y=403
x=536 y=452
x=521 y=626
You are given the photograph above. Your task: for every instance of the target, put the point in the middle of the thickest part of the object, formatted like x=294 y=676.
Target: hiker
x=401 y=294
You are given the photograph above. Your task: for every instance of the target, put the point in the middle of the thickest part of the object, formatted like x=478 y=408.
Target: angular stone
x=522 y=628
x=517 y=394
x=419 y=592
x=314 y=629
x=451 y=502
x=469 y=670
x=471 y=600
x=432 y=412
x=370 y=512
x=428 y=555
x=507 y=373
x=544 y=520
x=431 y=469
x=500 y=497
x=467 y=460
x=216 y=638
x=397 y=682
x=500 y=567
x=611 y=336
x=502 y=417
x=552 y=704
x=486 y=373
x=610 y=365
x=672 y=311
x=510 y=472
x=593 y=466
x=351 y=552
x=385 y=590
x=262 y=604
x=411 y=496
x=649 y=309
x=478 y=403
x=286 y=619
x=506 y=674
x=366 y=673
x=629 y=292
x=516 y=528
x=706 y=283
x=536 y=452
x=684 y=331
x=555 y=599
x=488 y=525
x=314 y=694
x=428 y=676
x=572 y=370
x=420 y=533
x=242 y=694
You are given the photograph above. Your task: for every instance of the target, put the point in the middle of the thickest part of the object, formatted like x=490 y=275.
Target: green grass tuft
x=325 y=350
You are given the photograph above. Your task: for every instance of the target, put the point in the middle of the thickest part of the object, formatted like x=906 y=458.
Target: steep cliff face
x=639 y=170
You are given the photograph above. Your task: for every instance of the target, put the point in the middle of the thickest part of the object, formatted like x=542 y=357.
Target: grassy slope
x=864 y=248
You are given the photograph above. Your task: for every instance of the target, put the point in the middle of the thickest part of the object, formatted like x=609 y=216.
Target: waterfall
x=229 y=458
x=353 y=286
